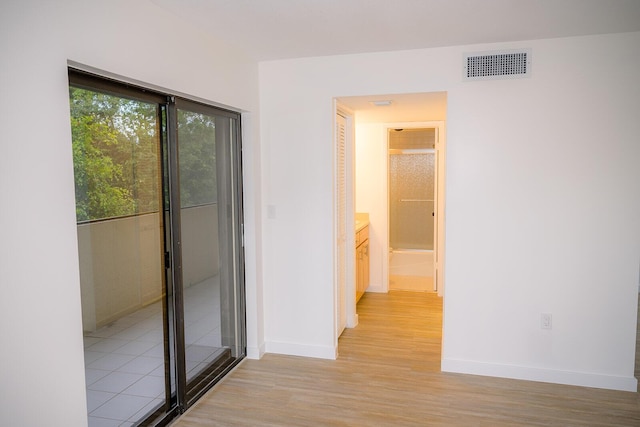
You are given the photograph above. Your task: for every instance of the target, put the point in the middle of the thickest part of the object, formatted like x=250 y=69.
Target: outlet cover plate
x=545 y=321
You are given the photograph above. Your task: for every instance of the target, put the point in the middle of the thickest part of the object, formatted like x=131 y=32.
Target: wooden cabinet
x=362 y=262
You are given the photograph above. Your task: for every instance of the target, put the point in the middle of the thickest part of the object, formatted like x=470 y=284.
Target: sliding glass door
x=158 y=204
x=208 y=232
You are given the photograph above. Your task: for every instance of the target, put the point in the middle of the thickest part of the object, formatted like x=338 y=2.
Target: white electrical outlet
x=545 y=321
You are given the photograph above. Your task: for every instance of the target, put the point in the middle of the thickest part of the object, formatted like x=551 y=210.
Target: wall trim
x=304 y=350
x=255 y=352
x=582 y=379
x=352 y=322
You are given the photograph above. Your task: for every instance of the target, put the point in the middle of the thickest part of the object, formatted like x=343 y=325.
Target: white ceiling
x=282 y=29
x=407 y=107
x=279 y=29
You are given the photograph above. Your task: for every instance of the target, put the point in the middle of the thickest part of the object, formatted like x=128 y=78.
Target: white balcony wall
x=200 y=251
x=120 y=261
x=120 y=267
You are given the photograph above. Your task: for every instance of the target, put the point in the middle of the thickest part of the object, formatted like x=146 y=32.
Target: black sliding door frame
x=180 y=392
x=230 y=236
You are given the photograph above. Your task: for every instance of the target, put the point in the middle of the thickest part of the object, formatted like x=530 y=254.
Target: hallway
x=388 y=374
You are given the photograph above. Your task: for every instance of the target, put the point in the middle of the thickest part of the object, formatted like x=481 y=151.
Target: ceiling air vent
x=510 y=64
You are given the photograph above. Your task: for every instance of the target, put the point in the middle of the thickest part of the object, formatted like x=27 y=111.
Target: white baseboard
x=255 y=352
x=582 y=379
x=320 y=352
x=353 y=322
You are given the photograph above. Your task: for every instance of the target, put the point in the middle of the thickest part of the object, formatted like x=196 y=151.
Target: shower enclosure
x=412 y=195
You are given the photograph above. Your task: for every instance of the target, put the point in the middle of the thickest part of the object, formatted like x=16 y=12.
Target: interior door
x=341 y=215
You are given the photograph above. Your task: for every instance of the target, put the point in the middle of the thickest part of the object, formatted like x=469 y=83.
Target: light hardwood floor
x=388 y=374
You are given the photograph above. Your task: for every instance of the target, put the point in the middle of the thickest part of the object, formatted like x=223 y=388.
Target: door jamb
x=349 y=218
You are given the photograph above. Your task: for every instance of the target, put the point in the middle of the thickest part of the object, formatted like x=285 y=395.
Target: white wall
x=41 y=362
x=370 y=188
x=542 y=205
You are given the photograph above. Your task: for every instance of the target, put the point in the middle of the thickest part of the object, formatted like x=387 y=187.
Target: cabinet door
x=365 y=265
x=359 y=271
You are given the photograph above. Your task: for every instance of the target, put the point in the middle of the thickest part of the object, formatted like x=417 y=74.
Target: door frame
x=228 y=148
x=178 y=397
x=349 y=223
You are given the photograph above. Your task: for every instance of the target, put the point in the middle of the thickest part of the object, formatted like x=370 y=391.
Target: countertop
x=362 y=220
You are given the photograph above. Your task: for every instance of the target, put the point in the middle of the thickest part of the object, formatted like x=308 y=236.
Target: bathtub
x=411 y=263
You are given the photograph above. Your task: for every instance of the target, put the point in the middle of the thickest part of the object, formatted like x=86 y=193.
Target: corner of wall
x=256 y=353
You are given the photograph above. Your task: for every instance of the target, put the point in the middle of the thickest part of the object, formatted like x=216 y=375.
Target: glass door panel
x=209 y=214
x=411 y=199
x=116 y=154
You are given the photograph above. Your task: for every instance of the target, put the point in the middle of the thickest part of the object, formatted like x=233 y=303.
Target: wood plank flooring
x=388 y=374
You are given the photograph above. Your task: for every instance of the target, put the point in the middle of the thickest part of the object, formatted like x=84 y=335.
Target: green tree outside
x=197 y=153
x=115 y=158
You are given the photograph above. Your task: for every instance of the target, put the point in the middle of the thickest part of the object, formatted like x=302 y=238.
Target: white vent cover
x=506 y=64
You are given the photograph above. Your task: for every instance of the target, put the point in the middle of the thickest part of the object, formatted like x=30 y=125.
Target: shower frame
x=440 y=157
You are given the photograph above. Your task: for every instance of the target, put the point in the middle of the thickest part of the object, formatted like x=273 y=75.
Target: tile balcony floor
x=124 y=361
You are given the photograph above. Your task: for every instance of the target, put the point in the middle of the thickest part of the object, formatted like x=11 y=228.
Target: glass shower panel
x=411 y=199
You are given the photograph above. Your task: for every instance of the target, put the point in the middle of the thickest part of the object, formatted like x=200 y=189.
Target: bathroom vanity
x=362 y=255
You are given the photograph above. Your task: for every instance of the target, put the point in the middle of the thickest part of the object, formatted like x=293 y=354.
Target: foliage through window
x=115 y=143
x=197 y=142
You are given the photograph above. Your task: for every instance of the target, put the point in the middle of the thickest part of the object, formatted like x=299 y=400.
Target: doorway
x=158 y=206
x=373 y=116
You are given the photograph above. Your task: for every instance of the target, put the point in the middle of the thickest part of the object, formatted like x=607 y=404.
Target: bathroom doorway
x=368 y=180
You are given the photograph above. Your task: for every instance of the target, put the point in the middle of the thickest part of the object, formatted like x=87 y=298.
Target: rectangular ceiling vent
x=509 y=64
